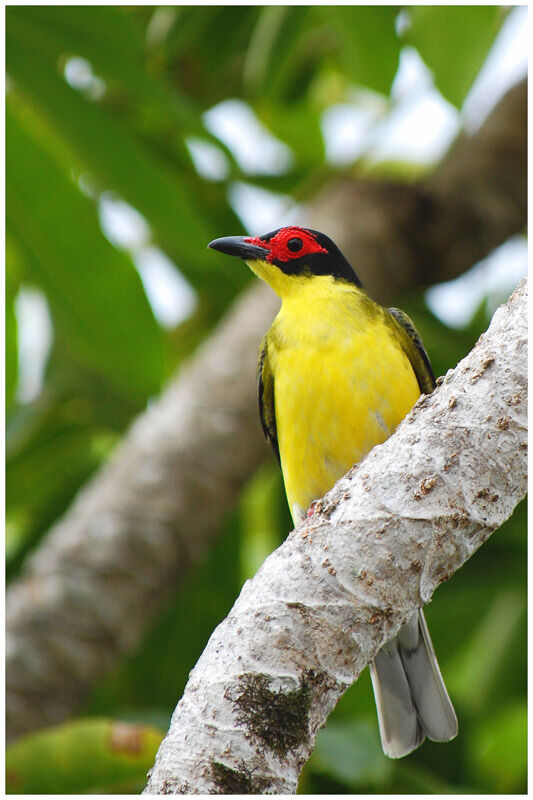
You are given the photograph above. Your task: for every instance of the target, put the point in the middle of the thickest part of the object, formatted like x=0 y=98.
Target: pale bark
x=377 y=546
x=90 y=590
x=88 y=593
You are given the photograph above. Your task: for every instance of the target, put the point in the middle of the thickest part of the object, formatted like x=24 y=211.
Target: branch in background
x=347 y=578
x=90 y=590
x=398 y=236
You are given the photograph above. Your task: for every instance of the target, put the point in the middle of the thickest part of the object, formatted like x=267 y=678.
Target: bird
x=337 y=372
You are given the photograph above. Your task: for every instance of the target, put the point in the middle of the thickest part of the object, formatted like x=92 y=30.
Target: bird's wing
x=416 y=352
x=267 y=413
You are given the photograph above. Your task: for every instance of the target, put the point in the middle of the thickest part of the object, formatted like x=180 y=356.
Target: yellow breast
x=342 y=384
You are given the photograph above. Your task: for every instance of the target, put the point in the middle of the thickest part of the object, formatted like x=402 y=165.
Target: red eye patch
x=289 y=243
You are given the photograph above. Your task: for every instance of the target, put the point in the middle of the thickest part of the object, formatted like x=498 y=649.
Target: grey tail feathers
x=411 y=698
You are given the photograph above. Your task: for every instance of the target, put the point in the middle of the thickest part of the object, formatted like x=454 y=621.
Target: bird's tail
x=411 y=698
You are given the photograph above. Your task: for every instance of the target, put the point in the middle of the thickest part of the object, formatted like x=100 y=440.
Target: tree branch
x=90 y=590
x=401 y=522
x=402 y=235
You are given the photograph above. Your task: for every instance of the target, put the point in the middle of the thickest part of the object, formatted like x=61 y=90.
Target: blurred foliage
x=96 y=756
x=125 y=128
x=454 y=45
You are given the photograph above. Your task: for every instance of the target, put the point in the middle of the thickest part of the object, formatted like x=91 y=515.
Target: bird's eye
x=295 y=245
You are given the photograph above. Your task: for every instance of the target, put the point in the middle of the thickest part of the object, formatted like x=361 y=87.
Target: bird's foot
x=312 y=508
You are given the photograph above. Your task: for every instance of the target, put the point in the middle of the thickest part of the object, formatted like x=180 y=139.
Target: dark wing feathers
x=416 y=352
x=265 y=385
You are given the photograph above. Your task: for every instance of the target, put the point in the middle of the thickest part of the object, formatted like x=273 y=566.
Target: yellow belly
x=342 y=385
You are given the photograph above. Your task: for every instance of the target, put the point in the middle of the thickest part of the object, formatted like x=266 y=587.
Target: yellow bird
x=337 y=373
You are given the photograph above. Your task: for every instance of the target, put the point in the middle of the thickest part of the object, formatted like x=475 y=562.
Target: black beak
x=237 y=246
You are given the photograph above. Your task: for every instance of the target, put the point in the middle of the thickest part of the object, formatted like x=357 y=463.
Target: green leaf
x=299 y=128
x=11 y=352
x=110 y=152
x=368 y=47
x=86 y=756
x=204 y=50
x=409 y=778
x=260 y=518
x=278 y=53
x=54 y=443
x=138 y=96
x=454 y=41
x=473 y=678
x=95 y=295
x=497 y=754
x=104 y=35
x=50 y=453
x=112 y=44
x=351 y=753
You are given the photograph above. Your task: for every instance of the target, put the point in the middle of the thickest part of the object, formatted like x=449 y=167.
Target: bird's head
x=289 y=256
